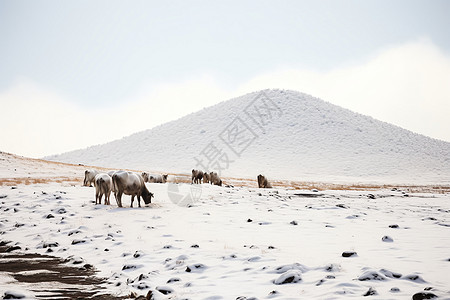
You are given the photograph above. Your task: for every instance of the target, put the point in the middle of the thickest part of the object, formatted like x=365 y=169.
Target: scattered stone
x=61 y=211
x=273 y=294
x=415 y=278
x=142 y=277
x=320 y=282
x=393 y=226
x=4 y=243
x=291 y=276
x=3 y=196
x=395 y=290
x=370 y=292
x=49 y=216
x=12 y=248
x=75 y=260
x=342 y=205
x=390 y=274
x=423 y=295
x=50 y=244
x=249 y=220
x=129 y=267
x=77 y=241
x=332 y=268
x=73 y=232
x=371 y=275
x=174 y=279
x=293 y=222
x=141 y=286
x=13 y=295
x=193 y=268
x=387 y=239
x=348 y=253
x=371 y=196
x=165 y=290
x=195 y=246
x=138 y=254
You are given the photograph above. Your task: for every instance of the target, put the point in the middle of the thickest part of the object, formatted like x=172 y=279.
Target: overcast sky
x=78 y=73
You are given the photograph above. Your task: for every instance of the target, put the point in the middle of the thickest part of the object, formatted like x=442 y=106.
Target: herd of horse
x=133 y=184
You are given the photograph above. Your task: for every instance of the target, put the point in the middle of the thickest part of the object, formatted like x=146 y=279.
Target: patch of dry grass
x=39 y=180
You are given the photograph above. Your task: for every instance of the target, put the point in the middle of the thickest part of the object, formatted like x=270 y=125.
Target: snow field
x=241 y=242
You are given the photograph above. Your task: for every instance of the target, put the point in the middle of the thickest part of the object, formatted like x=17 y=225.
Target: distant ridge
x=282 y=134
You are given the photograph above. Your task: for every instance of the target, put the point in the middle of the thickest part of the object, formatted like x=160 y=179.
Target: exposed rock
x=165 y=290
x=348 y=253
x=387 y=239
x=371 y=275
x=370 y=292
x=423 y=295
x=291 y=276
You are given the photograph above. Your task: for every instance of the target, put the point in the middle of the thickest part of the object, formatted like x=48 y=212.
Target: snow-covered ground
x=241 y=242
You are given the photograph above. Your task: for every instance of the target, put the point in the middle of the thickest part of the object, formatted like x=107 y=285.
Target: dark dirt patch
x=74 y=282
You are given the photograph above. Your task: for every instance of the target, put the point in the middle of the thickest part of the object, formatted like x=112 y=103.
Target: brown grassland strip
x=234 y=181
x=39 y=180
x=251 y=183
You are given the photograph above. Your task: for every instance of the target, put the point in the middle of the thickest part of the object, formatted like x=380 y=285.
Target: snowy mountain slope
x=282 y=134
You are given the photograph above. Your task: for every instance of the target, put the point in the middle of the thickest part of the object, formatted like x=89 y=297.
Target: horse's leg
x=119 y=199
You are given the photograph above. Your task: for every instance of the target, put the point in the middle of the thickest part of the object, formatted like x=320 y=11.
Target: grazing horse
x=206 y=177
x=154 y=178
x=263 y=182
x=130 y=183
x=158 y=178
x=197 y=176
x=89 y=177
x=103 y=186
x=215 y=179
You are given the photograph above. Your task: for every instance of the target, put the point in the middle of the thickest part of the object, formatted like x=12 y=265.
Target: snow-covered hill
x=282 y=134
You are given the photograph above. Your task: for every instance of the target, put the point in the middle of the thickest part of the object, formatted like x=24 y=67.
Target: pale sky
x=79 y=73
